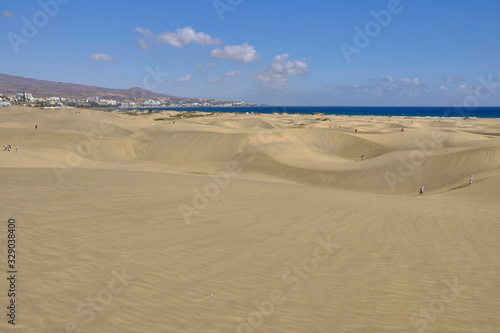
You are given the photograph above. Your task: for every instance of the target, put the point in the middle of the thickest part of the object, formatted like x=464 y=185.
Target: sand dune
x=248 y=123
x=395 y=161
x=221 y=222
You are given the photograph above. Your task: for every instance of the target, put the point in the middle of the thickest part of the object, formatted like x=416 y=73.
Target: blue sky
x=343 y=52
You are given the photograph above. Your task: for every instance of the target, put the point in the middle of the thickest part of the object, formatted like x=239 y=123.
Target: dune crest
x=301 y=149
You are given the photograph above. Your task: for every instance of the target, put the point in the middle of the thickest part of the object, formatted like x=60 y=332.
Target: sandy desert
x=223 y=222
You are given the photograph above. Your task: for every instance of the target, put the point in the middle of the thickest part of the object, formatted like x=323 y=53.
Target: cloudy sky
x=342 y=52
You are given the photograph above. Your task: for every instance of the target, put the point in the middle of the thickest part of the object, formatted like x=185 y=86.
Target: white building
x=28 y=96
x=5 y=103
x=150 y=102
x=111 y=102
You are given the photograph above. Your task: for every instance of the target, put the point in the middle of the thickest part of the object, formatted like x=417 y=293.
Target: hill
x=10 y=84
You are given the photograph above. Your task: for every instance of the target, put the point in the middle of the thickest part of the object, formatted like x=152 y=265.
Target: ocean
x=394 y=111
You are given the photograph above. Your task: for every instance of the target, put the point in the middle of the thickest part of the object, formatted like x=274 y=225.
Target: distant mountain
x=10 y=84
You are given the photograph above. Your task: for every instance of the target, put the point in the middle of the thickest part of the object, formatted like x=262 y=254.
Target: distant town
x=27 y=99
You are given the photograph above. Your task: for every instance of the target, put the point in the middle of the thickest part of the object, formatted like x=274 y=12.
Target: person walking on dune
x=470 y=179
x=422 y=190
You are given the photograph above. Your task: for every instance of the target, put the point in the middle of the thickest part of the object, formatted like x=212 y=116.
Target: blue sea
x=432 y=112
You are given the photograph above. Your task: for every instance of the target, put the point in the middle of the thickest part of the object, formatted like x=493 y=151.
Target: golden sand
x=250 y=223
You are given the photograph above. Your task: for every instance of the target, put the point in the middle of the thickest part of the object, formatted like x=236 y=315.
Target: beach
x=222 y=222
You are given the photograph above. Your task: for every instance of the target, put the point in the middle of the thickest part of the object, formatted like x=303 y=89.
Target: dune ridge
x=301 y=149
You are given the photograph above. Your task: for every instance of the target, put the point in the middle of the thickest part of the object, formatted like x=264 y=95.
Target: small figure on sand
x=470 y=179
x=362 y=157
x=422 y=190
x=356 y=131
x=402 y=129
x=36 y=126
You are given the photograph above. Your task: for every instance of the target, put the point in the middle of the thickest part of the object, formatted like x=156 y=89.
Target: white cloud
x=212 y=64
x=186 y=78
x=231 y=76
x=144 y=43
x=179 y=38
x=7 y=14
x=382 y=88
x=185 y=36
x=448 y=79
x=277 y=74
x=410 y=82
x=216 y=79
x=387 y=79
x=463 y=89
x=239 y=53
x=405 y=91
x=101 y=57
x=233 y=73
x=145 y=32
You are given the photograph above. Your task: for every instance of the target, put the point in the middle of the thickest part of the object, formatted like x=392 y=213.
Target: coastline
x=418 y=112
